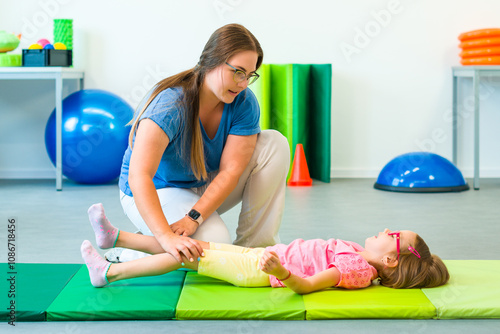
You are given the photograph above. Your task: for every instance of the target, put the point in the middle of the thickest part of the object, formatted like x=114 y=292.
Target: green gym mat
x=147 y=298
x=471 y=293
x=375 y=302
x=295 y=99
x=63 y=292
x=35 y=286
x=208 y=298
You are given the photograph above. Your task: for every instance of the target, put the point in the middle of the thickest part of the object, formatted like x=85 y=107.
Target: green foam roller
x=63 y=32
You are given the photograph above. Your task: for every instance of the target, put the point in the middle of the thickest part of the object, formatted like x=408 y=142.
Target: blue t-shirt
x=241 y=117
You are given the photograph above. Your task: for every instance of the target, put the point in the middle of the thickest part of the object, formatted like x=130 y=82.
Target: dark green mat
x=36 y=285
x=295 y=99
x=147 y=298
x=208 y=298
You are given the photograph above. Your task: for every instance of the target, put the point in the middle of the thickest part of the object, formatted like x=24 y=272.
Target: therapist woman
x=196 y=150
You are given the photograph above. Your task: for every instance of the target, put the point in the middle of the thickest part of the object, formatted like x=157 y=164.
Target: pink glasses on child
x=398 y=245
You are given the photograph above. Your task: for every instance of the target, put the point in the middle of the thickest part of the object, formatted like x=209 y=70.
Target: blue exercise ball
x=421 y=172
x=94 y=136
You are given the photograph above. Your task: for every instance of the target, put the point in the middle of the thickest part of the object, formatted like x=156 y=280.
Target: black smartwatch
x=195 y=216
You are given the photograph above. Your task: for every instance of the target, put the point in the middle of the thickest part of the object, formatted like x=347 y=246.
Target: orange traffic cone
x=300 y=172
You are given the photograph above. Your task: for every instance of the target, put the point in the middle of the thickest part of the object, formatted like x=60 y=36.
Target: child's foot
x=97 y=266
x=105 y=233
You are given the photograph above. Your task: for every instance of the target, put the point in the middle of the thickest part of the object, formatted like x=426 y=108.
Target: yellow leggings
x=234 y=264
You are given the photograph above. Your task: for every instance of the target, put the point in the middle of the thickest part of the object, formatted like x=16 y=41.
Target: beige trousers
x=261 y=191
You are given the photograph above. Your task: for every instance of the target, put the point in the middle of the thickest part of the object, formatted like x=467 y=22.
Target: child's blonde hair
x=428 y=271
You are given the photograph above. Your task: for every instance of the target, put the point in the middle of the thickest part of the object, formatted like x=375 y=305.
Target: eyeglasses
x=398 y=245
x=240 y=76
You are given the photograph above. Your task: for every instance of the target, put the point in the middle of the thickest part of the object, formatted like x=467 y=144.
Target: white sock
x=106 y=234
x=98 y=267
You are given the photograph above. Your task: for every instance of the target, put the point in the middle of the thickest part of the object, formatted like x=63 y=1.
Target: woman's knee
x=275 y=140
x=213 y=230
x=276 y=148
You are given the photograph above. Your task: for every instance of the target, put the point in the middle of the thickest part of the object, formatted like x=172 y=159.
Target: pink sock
x=97 y=266
x=106 y=234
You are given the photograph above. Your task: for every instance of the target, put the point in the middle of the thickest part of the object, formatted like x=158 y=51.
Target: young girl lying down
x=398 y=259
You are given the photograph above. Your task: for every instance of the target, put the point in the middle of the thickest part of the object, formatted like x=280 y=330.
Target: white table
x=58 y=74
x=474 y=72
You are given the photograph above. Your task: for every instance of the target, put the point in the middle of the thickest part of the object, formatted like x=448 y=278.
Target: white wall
x=391 y=89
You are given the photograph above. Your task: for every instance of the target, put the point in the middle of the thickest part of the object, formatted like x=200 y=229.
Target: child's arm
x=271 y=264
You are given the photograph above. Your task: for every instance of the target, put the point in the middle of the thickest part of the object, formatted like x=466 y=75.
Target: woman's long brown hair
x=224 y=43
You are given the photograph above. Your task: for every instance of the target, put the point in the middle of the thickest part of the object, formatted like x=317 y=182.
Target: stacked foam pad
x=295 y=99
x=480 y=47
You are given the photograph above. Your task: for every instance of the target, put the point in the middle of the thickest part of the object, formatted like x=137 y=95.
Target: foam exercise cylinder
x=63 y=32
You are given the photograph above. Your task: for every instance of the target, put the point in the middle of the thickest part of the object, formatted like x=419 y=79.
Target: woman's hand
x=270 y=264
x=185 y=246
x=185 y=227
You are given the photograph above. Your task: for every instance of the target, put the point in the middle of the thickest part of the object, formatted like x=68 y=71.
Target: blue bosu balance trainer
x=421 y=172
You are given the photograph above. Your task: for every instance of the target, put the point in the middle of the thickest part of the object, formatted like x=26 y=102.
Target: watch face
x=194 y=214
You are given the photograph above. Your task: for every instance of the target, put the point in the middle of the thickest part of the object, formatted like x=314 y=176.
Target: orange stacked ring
x=480 y=47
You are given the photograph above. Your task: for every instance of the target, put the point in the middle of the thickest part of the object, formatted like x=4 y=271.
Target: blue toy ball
x=94 y=138
x=421 y=172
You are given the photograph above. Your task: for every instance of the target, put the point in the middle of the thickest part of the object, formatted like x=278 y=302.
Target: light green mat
x=208 y=298
x=147 y=298
x=472 y=292
x=295 y=99
x=36 y=285
x=375 y=302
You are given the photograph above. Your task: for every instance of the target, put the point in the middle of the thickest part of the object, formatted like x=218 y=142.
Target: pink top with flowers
x=306 y=258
